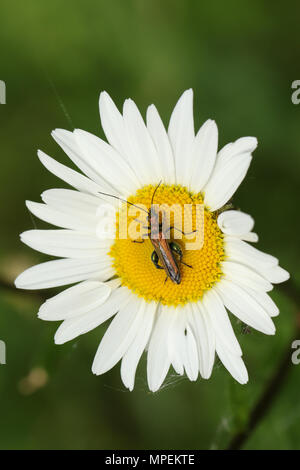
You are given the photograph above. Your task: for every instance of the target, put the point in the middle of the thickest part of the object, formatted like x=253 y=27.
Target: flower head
x=168 y=295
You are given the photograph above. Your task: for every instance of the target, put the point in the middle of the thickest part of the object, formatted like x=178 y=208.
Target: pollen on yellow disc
x=132 y=261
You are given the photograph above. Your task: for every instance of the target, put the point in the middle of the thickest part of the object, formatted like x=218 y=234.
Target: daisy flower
x=181 y=325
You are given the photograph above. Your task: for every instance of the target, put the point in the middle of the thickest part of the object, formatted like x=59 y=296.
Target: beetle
x=164 y=250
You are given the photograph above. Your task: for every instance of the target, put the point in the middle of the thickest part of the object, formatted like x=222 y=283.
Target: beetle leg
x=143 y=226
x=177 y=250
x=138 y=220
x=182 y=262
x=178 y=229
x=155 y=260
x=144 y=237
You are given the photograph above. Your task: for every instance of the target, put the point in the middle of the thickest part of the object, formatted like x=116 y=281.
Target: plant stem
x=275 y=384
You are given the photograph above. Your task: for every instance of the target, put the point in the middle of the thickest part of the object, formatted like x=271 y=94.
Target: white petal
x=225 y=182
x=276 y=274
x=176 y=339
x=220 y=321
x=181 y=133
x=76 y=300
x=235 y=222
x=240 y=146
x=231 y=167
x=91 y=167
x=242 y=252
x=79 y=211
x=144 y=155
x=133 y=354
x=63 y=271
x=108 y=162
x=73 y=202
x=61 y=219
x=161 y=140
x=114 y=126
x=73 y=178
x=182 y=346
x=245 y=276
x=192 y=359
x=66 y=243
x=249 y=237
x=203 y=155
x=119 y=336
x=73 y=327
x=205 y=338
x=158 y=361
x=245 y=307
x=265 y=301
x=233 y=363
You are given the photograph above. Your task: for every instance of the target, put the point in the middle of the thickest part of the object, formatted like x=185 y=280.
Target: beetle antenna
x=123 y=200
x=155 y=191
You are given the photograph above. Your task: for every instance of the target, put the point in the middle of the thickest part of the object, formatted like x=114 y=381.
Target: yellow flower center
x=132 y=261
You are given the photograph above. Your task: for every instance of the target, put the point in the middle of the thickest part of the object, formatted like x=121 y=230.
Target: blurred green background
x=240 y=58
